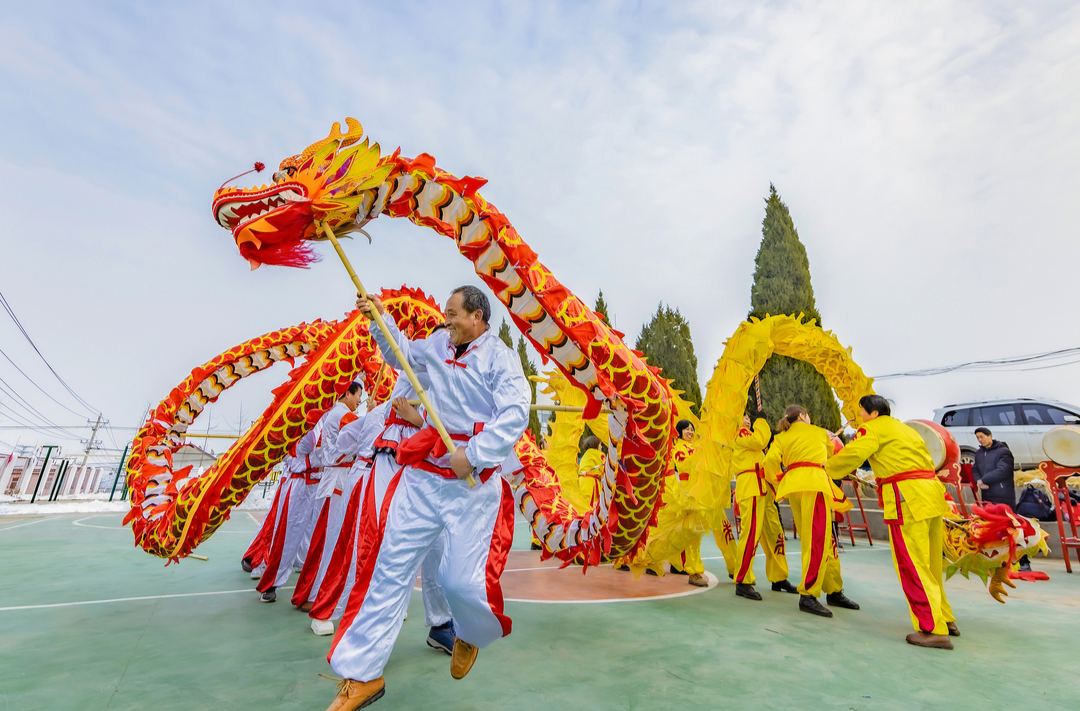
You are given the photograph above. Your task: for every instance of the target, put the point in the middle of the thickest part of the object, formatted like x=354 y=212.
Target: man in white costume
x=481 y=395
x=333 y=493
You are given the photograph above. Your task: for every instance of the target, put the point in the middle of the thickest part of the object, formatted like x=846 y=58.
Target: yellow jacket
x=801 y=443
x=747 y=457
x=893 y=448
x=680 y=457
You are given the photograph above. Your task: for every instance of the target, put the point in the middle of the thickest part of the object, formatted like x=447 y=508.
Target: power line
x=34 y=383
x=11 y=313
x=1001 y=364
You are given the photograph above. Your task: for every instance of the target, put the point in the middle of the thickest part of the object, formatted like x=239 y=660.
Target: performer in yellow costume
x=756 y=496
x=913 y=500
x=591 y=469
x=802 y=449
x=678 y=477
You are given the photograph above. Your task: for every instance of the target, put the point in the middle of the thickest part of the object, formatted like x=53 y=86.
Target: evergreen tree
x=666 y=343
x=504 y=334
x=601 y=309
x=530 y=370
x=782 y=286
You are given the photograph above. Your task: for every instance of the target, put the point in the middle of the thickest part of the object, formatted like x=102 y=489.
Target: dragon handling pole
x=377 y=317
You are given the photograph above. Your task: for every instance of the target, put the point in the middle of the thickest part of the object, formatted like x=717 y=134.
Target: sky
x=926 y=151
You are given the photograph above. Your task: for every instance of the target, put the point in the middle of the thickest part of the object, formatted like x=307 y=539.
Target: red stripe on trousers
x=367 y=553
x=751 y=545
x=817 y=541
x=259 y=548
x=273 y=560
x=310 y=571
x=337 y=573
x=911 y=582
x=501 y=540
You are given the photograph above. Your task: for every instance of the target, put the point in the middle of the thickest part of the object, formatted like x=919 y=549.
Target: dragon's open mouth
x=235 y=209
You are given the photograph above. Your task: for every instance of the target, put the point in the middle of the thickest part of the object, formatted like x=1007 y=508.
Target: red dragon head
x=273 y=224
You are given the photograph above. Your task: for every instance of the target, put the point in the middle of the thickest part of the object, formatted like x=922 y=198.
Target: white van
x=1019 y=423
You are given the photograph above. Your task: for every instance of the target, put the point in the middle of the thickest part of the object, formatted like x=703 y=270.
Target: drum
x=943 y=448
x=1062 y=445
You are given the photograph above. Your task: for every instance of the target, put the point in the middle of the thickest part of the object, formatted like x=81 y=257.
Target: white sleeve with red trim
x=349 y=436
x=326 y=454
x=408 y=348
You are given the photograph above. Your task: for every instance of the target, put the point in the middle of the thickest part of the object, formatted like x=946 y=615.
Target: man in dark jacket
x=993 y=471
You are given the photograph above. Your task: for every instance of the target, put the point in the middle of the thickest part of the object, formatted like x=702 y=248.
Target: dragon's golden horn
x=354 y=134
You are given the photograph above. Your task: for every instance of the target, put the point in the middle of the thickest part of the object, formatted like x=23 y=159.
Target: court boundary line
x=133 y=599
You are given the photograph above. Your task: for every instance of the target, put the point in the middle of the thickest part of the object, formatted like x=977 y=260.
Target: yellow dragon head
x=273 y=224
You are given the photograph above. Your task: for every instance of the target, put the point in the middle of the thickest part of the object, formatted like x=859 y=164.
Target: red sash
x=761 y=480
x=422 y=448
x=902 y=476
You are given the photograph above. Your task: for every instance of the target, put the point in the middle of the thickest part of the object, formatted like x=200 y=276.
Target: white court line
x=124 y=528
x=28 y=523
x=132 y=599
x=253 y=519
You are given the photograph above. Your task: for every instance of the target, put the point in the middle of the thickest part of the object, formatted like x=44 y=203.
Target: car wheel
x=967 y=456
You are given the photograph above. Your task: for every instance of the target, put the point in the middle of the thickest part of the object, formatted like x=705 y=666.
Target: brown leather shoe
x=462 y=660
x=954 y=631
x=935 y=641
x=306 y=607
x=354 y=694
x=698 y=580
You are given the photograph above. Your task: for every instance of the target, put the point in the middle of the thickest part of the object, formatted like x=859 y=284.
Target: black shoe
x=269 y=596
x=676 y=571
x=839 y=599
x=534 y=546
x=747 y=591
x=650 y=571
x=1025 y=565
x=784 y=586
x=245 y=563
x=623 y=568
x=808 y=603
x=954 y=631
x=731 y=576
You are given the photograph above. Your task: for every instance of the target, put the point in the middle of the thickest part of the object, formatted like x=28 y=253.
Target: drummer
x=913 y=500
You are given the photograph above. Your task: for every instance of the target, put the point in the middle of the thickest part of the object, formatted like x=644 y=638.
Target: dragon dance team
x=369 y=501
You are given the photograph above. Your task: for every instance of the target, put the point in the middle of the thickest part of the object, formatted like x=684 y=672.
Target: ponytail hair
x=791 y=415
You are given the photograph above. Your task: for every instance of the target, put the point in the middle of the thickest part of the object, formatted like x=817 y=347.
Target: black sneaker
x=442 y=638
x=245 y=563
x=839 y=599
x=269 y=596
x=623 y=568
x=747 y=591
x=534 y=546
x=650 y=571
x=808 y=603
x=784 y=586
x=1025 y=566
x=676 y=571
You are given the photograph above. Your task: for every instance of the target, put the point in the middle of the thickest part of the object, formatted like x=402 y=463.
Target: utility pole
x=44 y=470
x=90 y=444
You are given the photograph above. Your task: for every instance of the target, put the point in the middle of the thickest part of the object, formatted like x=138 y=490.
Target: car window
x=1057 y=416
x=1036 y=414
x=999 y=415
x=955 y=418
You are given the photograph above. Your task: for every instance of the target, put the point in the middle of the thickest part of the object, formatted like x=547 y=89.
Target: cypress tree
x=666 y=343
x=530 y=370
x=782 y=286
x=504 y=334
x=601 y=309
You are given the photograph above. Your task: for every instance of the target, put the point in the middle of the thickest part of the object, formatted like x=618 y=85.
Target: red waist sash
x=420 y=451
x=762 y=482
x=902 y=476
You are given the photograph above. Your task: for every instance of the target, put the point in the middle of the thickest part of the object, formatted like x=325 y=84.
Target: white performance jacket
x=326 y=455
x=306 y=445
x=485 y=386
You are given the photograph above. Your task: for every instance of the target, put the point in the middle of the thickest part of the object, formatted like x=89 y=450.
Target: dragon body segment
x=172 y=512
x=341 y=182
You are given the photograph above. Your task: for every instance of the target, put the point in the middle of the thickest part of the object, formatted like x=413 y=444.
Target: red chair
x=1063 y=508
x=850 y=527
x=738 y=519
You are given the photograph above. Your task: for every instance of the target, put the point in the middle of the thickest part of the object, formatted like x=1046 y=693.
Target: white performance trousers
x=479 y=528
x=339 y=583
x=293 y=521
x=335 y=517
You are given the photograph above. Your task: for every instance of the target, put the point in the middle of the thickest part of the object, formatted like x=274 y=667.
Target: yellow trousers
x=761 y=524
x=725 y=541
x=917 y=551
x=813 y=521
x=689 y=561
